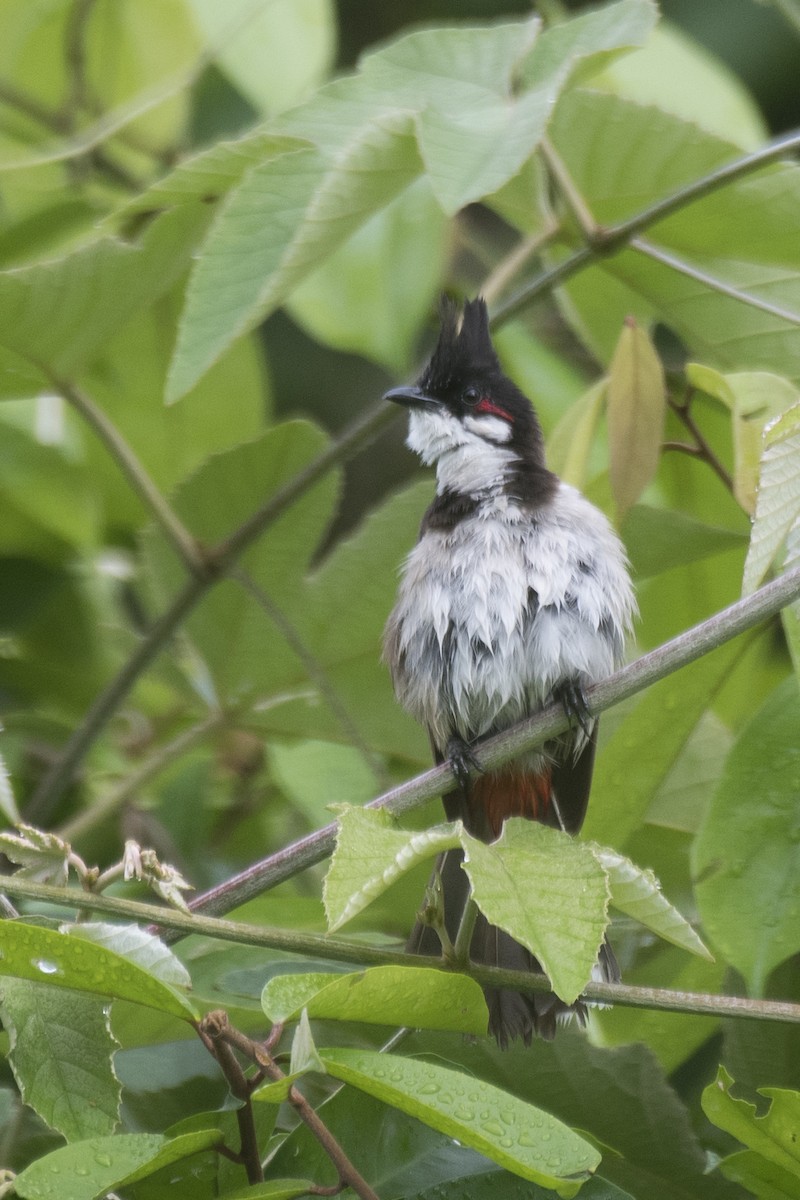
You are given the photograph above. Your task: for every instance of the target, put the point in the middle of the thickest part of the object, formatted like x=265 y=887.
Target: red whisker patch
x=487 y=406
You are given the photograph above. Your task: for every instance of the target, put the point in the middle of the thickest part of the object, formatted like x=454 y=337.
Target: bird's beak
x=412 y=397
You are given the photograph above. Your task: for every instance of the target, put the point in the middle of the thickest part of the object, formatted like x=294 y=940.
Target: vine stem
x=318 y=945
x=220 y=559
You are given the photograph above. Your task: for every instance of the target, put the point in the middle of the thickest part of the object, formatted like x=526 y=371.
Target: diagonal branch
x=503 y=747
x=318 y=945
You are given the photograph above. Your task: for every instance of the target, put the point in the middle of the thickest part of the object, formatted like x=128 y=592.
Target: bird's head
x=464 y=413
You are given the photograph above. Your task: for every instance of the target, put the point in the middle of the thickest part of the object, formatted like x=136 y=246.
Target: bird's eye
x=471 y=396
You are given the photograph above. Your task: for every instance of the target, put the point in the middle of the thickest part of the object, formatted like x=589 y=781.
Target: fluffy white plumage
x=495 y=613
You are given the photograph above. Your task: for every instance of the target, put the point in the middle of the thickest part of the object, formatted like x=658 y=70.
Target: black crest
x=464 y=349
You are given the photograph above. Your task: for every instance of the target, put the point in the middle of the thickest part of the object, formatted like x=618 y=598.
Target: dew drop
x=54 y=1170
x=45 y=966
x=81 y=1170
x=429 y=1089
x=493 y=1128
x=506 y=1143
x=103 y=1160
x=462 y=1112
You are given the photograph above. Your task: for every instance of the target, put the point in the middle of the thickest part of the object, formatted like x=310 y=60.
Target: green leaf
x=211 y=173
x=549 y=892
x=61 y=313
x=501 y=1185
x=370 y=295
x=746 y=858
x=754 y=398
x=778 y=500
x=636 y=892
x=658 y=539
x=61 y=1054
x=273 y=1189
x=229 y=629
x=8 y=805
x=620 y=1098
x=87 y=1170
x=279 y=223
x=512 y=1133
x=745 y=234
x=766 y=1180
x=571 y=442
x=316 y=775
x=773 y=1136
x=416 y=996
x=672 y=70
x=274 y=54
x=371 y=853
x=138 y=946
x=647 y=743
x=637 y=402
x=584 y=43
x=44 y=956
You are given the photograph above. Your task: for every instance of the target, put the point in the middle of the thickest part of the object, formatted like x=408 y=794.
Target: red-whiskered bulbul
x=516 y=594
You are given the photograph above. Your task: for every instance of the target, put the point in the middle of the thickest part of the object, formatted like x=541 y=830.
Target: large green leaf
x=746 y=234
x=44 y=956
x=236 y=638
x=549 y=892
x=747 y=855
x=636 y=892
x=371 y=295
x=646 y=744
x=282 y=220
x=415 y=996
x=620 y=1098
x=274 y=53
x=512 y=1133
x=778 y=500
x=771 y=1137
x=371 y=853
x=61 y=1054
x=61 y=313
x=127 y=381
x=87 y=1170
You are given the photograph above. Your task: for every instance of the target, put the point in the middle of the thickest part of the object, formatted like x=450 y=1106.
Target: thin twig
x=136 y=474
x=657 y=254
x=509 y=267
x=212 y=1031
x=569 y=190
x=217 y=1026
x=609 y=239
x=317 y=945
x=701 y=447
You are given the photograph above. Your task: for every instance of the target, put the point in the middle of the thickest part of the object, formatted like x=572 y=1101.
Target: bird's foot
x=572 y=698
x=462 y=760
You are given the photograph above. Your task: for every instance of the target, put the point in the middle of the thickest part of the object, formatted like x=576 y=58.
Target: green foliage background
x=216 y=250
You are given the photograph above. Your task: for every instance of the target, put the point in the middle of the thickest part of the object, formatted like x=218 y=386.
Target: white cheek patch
x=432 y=433
x=494 y=429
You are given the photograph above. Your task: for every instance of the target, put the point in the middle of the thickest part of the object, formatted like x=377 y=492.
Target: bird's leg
x=572 y=698
x=462 y=760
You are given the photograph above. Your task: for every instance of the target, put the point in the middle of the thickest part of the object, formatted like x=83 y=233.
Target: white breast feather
x=471 y=658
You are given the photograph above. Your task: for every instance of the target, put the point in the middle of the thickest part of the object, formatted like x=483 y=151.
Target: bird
x=516 y=595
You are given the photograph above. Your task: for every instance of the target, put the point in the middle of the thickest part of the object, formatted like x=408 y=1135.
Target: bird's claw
x=573 y=700
x=462 y=760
